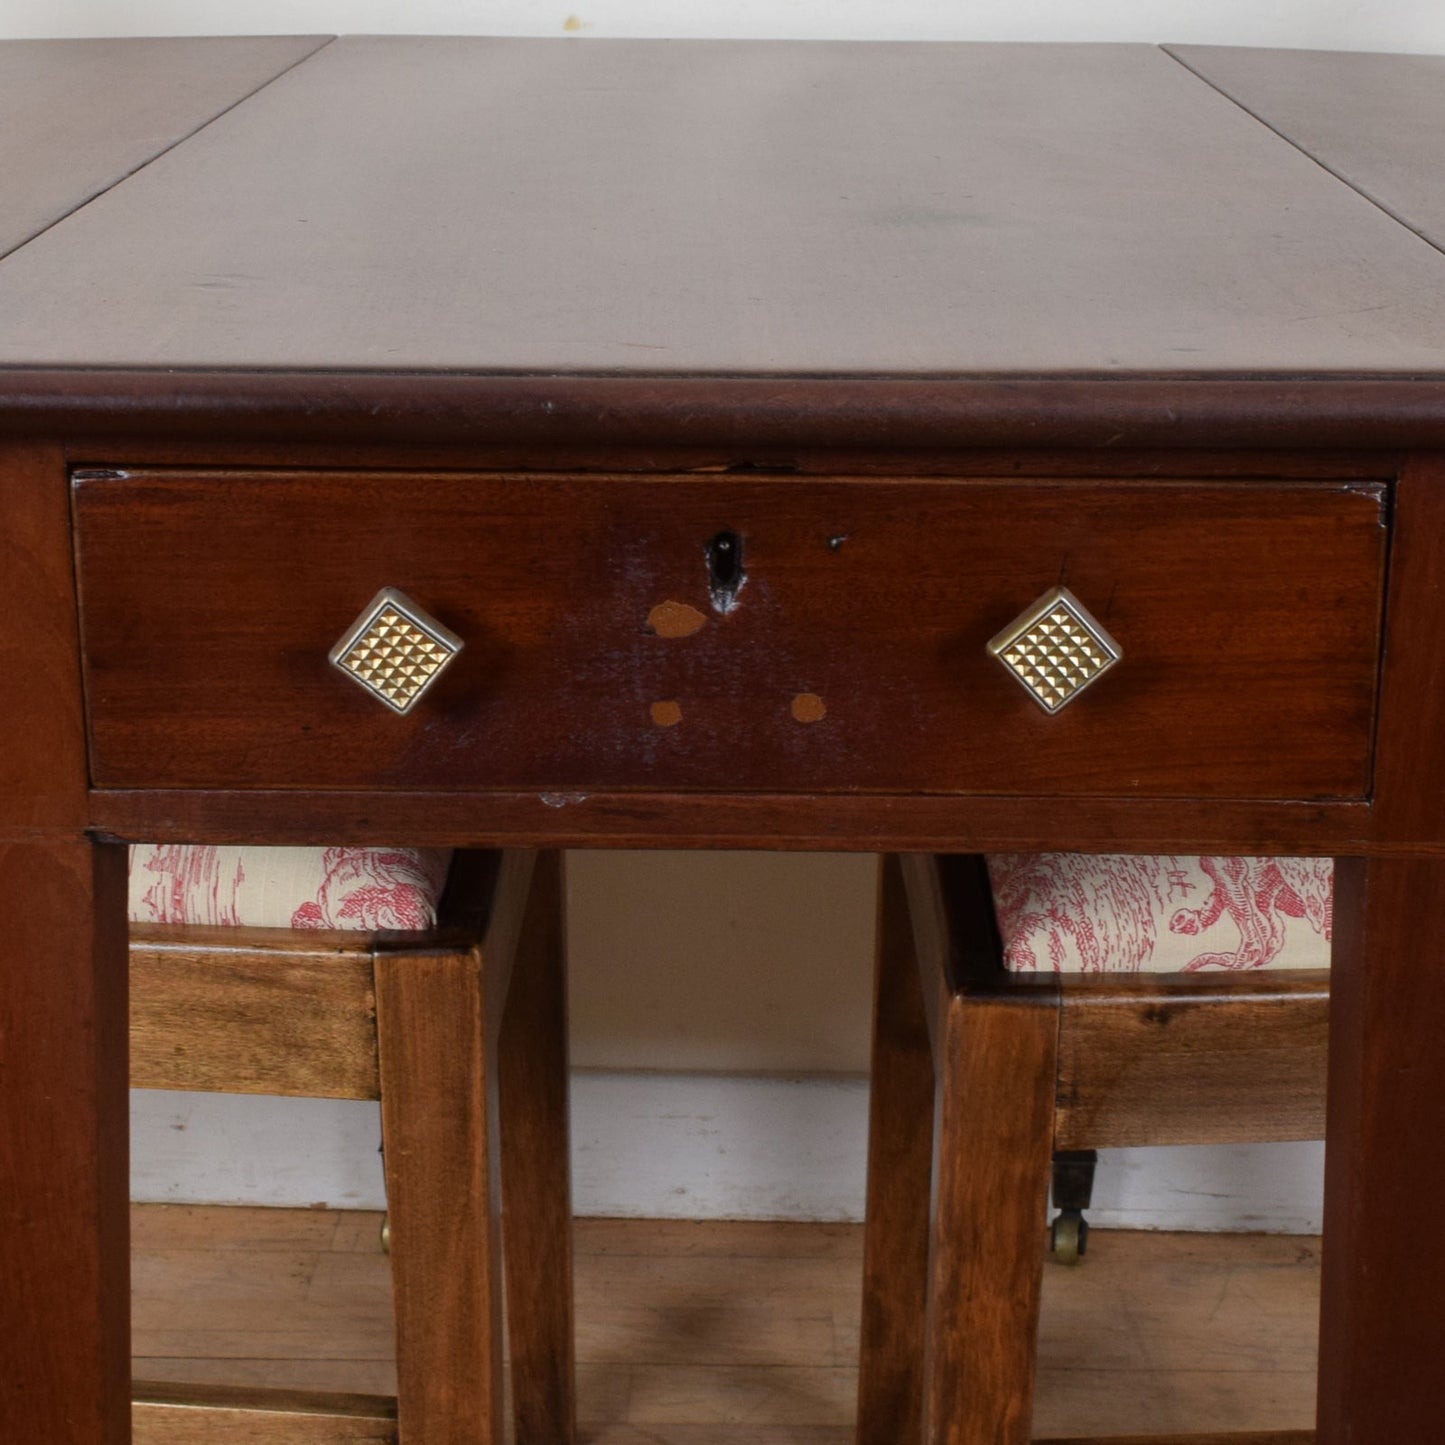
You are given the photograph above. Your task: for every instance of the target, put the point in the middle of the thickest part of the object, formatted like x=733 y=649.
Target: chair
x=981 y=1072
x=458 y=1027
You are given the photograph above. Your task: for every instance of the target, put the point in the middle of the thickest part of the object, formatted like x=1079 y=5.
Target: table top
x=692 y=208
x=1376 y=121
x=78 y=116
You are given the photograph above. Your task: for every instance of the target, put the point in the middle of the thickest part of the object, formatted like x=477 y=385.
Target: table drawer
x=609 y=644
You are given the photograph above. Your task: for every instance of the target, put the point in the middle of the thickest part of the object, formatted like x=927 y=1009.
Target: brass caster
x=386 y=1234
x=1069 y=1237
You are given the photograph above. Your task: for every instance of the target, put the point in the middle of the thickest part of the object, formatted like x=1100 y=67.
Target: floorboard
x=722 y=1333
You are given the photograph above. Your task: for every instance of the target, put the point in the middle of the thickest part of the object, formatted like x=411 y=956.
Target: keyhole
x=725 y=570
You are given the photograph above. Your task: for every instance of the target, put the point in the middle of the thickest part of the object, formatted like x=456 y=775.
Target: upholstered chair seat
x=1115 y=913
x=347 y=888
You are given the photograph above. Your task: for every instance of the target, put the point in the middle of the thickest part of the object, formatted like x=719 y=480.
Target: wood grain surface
x=994 y=1111
x=1385 y=1086
x=714 y=1332
x=1379 y=1310
x=876 y=599
x=1191 y=1060
x=893 y=1333
x=1233 y=1437
x=439 y=1018
x=985 y=426
x=63 y=1121
x=77 y=116
x=862 y=823
x=253 y=1010
x=439 y=1141
x=43 y=766
x=176 y=1415
x=995 y=1060
x=1410 y=748
x=723 y=206
x=537 y=1170
x=63 y=1144
x=1373 y=120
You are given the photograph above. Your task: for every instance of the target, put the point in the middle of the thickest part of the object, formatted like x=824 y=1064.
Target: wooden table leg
x=952 y=1273
x=900 y=1167
x=64 y=1133
x=440 y=1140
x=64 y=1124
x=994 y=1114
x=537 y=1172
x=473 y=1053
x=1383 y=1309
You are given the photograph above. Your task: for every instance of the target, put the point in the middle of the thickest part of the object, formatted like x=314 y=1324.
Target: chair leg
x=994 y=1111
x=536 y=1174
x=439 y=1128
x=900 y=1161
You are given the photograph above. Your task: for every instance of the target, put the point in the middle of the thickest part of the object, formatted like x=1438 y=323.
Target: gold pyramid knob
x=395 y=650
x=1055 y=649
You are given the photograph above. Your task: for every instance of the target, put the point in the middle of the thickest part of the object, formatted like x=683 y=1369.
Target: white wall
x=1331 y=24
x=755 y=962
x=737 y=985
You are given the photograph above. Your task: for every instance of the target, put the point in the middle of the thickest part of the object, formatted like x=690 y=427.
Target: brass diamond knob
x=395 y=650
x=1055 y=650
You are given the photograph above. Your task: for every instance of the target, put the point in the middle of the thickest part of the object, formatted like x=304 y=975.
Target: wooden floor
x=742 y=1334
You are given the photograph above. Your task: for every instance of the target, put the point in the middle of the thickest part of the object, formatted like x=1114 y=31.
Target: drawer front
x=608 y=644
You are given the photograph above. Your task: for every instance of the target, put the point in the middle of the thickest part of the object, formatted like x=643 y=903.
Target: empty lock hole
x=725 y=570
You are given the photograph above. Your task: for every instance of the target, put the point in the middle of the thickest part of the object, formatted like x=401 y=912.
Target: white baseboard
x=249 y=1149
x=690 y=1146
x=699 y=1146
